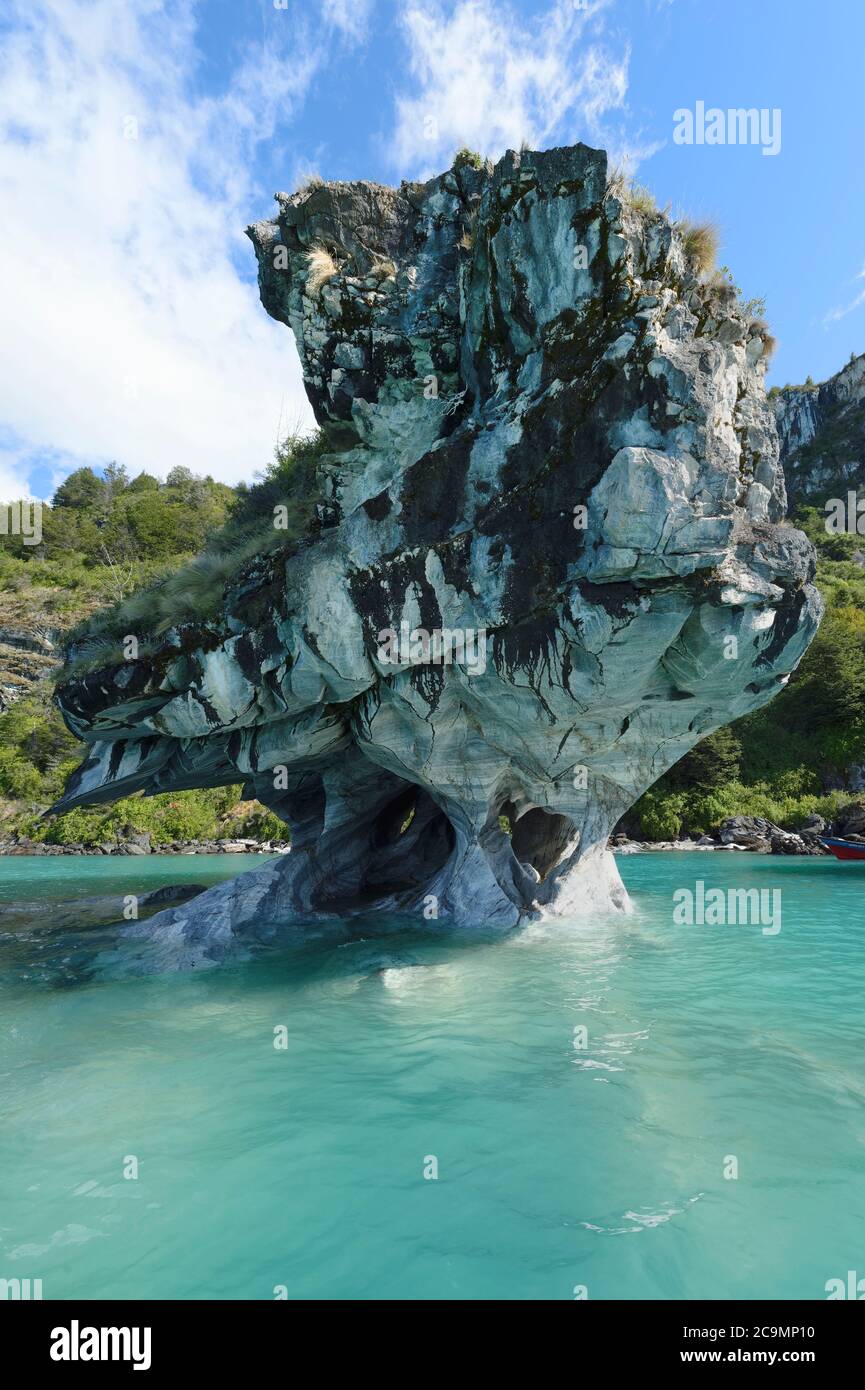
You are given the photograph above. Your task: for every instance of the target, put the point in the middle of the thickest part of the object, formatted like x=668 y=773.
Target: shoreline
x=679 y=846
x=743 y=834
x=620 y=846
x=133 y=848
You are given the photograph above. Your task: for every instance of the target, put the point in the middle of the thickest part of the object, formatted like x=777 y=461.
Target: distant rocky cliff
x=27 y=655
x=550 y=557
x=821 y=430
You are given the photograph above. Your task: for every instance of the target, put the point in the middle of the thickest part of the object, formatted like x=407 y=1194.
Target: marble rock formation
x=550 y=556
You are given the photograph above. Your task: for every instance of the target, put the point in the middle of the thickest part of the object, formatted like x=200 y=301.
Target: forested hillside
x=104 y=540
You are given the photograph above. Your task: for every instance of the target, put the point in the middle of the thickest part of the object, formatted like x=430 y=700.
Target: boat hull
x=844 y=849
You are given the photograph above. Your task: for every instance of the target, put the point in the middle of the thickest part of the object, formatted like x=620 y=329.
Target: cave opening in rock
x=411 y=839
x=538 y=837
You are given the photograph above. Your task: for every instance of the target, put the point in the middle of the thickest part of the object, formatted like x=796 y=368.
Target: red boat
x=844 y=849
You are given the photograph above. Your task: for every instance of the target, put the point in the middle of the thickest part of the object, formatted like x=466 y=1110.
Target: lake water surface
x=410 y=1047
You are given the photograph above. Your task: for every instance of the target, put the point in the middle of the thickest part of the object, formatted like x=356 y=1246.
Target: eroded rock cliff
x=548 y=438
x=821 y=429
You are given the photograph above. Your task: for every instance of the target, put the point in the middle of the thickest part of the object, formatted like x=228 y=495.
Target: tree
x=711 y=763
x=144 y=482
x=179 y=477
x=80 y=490
x=161 y=529
x=116 y=479
x=827 y=692
x=189 y=489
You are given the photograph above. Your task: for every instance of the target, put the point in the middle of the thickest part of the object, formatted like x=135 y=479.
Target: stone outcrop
x=548 y=435
x=821 y=430
x=27 y=656
x=764 y=837
x=849 y=823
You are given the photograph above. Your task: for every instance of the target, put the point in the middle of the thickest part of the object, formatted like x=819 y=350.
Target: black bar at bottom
x=69 y=1338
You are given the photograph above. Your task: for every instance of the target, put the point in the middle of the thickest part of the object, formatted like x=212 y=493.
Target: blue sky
x=140 y=137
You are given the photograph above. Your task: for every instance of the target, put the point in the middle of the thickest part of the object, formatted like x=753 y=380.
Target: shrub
x=321 y=267
x=18 y=778
x=467 y=159
x=660 y=814
x=204 y=814
x=83 y=825
x=770 y=342
x=382 y=267
x=700 y=243
x=290 y=479
x=641 y=199
x=257 y=823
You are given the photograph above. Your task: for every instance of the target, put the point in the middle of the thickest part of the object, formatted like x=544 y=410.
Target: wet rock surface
x=79 y=914
x=547 y=435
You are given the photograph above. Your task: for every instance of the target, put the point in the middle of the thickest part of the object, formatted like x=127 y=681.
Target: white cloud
x=129 y=332
x=835 y=314
x=482 y=77
x=349 y=16
x=12 y=477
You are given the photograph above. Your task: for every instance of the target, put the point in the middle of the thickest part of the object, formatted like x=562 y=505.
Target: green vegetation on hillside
x=117 y=520
x=118 y=556
x=37 y=753
x=275 y=512
x=104 y=538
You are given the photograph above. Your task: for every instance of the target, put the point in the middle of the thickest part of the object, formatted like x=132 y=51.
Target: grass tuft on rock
x=700 y=242
x=321 y=267
x=641 y=199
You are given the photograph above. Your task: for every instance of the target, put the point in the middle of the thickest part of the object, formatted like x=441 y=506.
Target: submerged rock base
x=260 y=908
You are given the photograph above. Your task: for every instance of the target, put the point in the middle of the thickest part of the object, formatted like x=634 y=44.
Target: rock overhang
x=545 y=425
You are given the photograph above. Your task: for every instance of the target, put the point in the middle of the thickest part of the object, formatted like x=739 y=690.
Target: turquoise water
x=557 y=1167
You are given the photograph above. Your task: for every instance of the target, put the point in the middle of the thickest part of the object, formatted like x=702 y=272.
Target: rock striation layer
x=549 y=435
